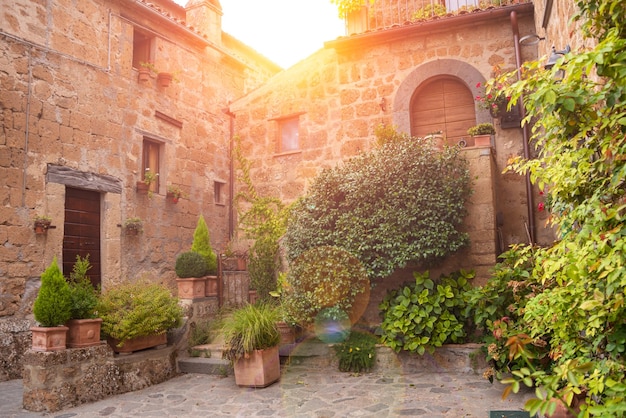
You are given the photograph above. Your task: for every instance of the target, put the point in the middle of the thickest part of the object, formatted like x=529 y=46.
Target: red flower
x=541 y=207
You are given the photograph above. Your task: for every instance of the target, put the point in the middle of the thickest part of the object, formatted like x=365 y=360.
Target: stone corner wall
x=15 y=340
x=62 y=379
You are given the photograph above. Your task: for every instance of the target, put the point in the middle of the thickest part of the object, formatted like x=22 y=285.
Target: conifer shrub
x=83 y=294
x=54 y=303
x=190 y=264
x=202 y=245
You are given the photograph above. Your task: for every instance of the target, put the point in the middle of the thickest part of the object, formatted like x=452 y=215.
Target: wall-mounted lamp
x=383 y=104
x=555 y=55
x=530 y=39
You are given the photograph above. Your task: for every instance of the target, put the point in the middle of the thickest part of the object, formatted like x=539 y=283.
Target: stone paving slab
x=301 y=392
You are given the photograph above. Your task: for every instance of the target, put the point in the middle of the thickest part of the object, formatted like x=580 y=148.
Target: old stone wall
x=71 y=103
x=62 y=379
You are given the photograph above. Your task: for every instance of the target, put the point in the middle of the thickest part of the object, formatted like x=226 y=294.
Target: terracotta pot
x=211 y=288
x=258 y=369
x=41 y=227
x=142 y=187
x=191 y=288
x=252 y=297
x=143 y=75
x=482 y=140
x=137 y=343
x=164 y=79
x=49 y=338
x=171 y=197
x=83 y=332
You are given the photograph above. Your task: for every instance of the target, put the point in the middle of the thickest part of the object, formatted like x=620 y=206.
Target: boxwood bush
x=403 y=202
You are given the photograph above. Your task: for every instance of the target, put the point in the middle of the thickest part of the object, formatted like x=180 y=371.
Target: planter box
x=260 y=369
x=211 y=287
x=49 y=338
x=137 y=343
x=482 y=140
x=191 y=288
x=83 y=332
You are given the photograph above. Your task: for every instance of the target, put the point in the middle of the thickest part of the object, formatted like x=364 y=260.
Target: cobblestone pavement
x=301 y=392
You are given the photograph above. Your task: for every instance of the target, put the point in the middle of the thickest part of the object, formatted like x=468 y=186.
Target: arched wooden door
x=82 y=231
x=443 y=104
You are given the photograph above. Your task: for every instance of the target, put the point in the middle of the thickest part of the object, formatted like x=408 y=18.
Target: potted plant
x=52 y=309
x=191 y=269
x=482 y=134
x=42 y=223
x=145 y=185
x=174 y=193
x=84 y=324
x=164 y=79
x=137 y=315
x=235 y=255
x=252 y=342
x=145 y=69
x=202 y=245
x=133 y=226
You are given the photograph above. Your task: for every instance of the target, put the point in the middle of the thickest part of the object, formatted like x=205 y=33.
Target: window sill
x=283 y=154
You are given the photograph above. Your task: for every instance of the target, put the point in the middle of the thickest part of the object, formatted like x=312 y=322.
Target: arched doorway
x=443 y=104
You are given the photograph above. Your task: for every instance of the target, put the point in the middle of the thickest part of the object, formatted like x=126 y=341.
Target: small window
x=142 y=47
x=150 y=162
x=288 y=138
x=218 y=192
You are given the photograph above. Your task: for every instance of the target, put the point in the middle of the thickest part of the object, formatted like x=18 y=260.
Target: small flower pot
x=171 y=197
x=41 y=227
x=142 y=187
x=164 y=79
x=144 y=75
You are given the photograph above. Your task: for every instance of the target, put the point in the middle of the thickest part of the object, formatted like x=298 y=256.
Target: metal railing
x=388 y=13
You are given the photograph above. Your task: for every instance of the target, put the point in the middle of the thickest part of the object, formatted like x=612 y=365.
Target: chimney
x=206 y=17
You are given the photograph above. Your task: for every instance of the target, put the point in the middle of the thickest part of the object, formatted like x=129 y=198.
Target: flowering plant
x=494 y=103
x=149 y=177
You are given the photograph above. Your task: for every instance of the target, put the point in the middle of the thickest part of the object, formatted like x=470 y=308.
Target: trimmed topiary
x=202 y=245
x=54 y=303
x=190 y=264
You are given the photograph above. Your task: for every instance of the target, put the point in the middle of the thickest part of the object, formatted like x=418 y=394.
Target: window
x=150 y=161
x=218 y=192
x=288 y=139
x=143 y=47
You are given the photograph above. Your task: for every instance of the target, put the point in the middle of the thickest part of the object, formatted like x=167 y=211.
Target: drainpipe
x=231 y=172
x=530 y=205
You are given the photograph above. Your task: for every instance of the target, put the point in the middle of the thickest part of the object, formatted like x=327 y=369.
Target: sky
x=285 y=31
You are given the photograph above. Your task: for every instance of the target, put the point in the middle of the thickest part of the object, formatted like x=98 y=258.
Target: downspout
x=525 y=134
x=231 y=172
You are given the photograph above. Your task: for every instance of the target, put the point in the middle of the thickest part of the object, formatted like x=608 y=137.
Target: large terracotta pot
x=49 y=338
x=258 y=369
x=482 y=140
x=137 y=343
x=83 y=332
x=191 y=288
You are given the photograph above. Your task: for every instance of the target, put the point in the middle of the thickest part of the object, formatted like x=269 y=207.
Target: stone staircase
x=465 y=358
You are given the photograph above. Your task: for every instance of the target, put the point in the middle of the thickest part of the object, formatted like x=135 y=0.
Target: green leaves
x=426 y=314
x=402 y=202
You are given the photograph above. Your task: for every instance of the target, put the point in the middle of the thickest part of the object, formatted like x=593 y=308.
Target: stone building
x=80 y=129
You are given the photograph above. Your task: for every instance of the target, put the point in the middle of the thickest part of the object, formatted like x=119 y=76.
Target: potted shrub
x=84 y=324
x=191 y=269
x=137 y=315
x=252 y=342
x=482 y=134
x=145 y=69
x=133 y=226
x=202 y=245
x=174 y=193
x=52 y=309
x=42 y=223
x=147 y=184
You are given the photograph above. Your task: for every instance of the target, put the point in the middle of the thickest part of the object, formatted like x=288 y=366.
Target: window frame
x=151 y=151
x=144 y=48
x=281 y=125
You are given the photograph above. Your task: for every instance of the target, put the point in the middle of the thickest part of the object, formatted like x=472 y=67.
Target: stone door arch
x=451 y=69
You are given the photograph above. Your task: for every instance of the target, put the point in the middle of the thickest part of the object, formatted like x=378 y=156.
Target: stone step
x=203 y=365
x=208 y=351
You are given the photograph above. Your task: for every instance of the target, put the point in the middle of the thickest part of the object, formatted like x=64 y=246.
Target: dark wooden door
x=82 y=231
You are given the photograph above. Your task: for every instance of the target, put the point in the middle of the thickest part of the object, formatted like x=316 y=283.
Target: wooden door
x=82 y=231
x=443 y=104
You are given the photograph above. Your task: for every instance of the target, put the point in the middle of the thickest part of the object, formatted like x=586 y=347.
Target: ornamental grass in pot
x=252 y=340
